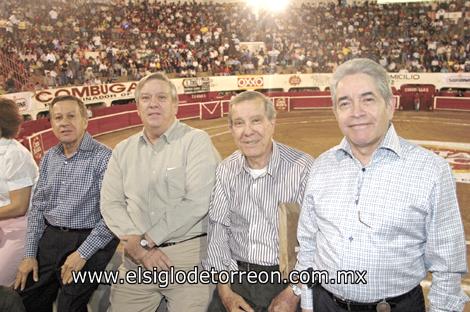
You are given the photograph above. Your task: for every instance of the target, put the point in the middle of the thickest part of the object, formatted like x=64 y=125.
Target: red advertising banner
x=37 y=148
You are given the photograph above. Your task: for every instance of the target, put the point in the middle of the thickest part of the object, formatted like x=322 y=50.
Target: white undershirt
x=256 y=173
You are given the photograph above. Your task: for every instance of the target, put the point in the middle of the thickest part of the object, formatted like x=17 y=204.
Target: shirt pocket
x=396 y=218
x=176 y=180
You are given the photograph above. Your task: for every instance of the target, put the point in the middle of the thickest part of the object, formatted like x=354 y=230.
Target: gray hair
x=157 y=76
x=249 y=96
x=363 y=66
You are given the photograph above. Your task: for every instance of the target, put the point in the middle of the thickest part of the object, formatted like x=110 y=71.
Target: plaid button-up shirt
x=396 y=218
x=68 y=195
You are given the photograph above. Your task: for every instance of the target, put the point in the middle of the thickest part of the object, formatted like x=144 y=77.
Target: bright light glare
x=271 y=5
x=400 y=1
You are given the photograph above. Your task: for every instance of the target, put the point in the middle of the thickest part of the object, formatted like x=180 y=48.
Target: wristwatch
x=144 y=243
x=296 y=289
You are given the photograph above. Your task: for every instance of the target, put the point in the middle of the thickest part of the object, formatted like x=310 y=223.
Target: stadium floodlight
x=400 y=1
x=271 y=5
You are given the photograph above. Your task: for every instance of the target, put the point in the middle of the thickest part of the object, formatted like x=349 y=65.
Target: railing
x=40 y=137
x=9 y=66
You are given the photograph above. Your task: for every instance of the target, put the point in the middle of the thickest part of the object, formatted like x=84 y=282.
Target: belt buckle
x=63 y=229
x=383 y=306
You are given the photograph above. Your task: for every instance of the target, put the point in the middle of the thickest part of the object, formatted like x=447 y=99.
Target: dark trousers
x=258 y=296
x=54 y=248
x=414 y=302
x=10 y=301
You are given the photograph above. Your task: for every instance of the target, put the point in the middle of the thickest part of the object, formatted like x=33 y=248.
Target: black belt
x=349 y=305
x=246 y=266
x=65 y=229
x=185 y=240
x=360 y=306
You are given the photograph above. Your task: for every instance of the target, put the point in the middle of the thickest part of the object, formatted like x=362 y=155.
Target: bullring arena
x=305 y=121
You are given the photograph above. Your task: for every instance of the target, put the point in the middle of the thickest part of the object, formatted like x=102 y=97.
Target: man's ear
x=176 y=108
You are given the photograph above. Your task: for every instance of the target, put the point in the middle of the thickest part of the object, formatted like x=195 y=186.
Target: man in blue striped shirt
x=243 y=214
x=66 y=232
x=379 y=212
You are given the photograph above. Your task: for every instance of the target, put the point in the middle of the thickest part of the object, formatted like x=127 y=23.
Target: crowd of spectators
x=79 y=42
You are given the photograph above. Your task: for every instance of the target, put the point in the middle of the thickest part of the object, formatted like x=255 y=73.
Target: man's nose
x=248 y=129
x=357 y=108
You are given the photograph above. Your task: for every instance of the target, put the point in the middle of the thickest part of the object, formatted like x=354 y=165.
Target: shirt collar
x=391 y=142
x=85 y=145
x=168 y=136
x=273 y=162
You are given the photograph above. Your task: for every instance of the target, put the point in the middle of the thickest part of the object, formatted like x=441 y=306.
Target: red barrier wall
x=452 y=103
x=124 y=116
x=309 y=102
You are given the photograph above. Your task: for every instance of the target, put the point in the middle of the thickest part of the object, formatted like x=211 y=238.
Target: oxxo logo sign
x=246 y=82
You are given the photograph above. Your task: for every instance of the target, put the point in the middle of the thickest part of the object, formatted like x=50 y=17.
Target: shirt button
x=65 y=162
x=351 y=238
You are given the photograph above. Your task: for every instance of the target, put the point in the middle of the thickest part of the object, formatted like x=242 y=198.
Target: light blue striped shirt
x=243 y=214
x=409 y=223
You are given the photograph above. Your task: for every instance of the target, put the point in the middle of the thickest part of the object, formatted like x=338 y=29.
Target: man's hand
x=25 y=267
x=232 y=301
x=132 y=247
x=285 y=301
x=73 y=263
x=156 y=258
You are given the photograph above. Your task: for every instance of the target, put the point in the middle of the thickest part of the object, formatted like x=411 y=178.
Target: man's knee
x=10 y=301
x=194 y=298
